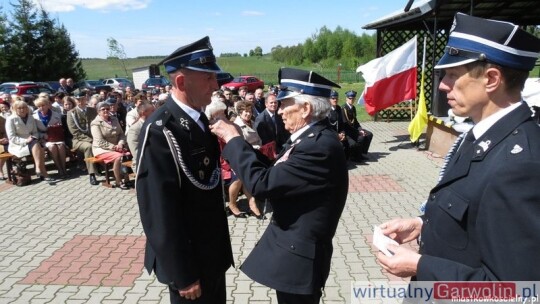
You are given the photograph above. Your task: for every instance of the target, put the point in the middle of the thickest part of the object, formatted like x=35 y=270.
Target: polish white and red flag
x=390 y=79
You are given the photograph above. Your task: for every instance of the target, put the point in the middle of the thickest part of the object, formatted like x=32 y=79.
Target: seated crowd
x=106 y=126
x=74 y=123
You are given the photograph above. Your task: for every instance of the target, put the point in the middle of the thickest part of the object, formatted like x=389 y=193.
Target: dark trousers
x=213 y=292
x=290 y=298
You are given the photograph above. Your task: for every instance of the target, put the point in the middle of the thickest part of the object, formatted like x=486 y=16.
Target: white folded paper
x=381 y=241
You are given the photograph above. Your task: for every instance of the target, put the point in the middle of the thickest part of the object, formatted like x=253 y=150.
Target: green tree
x=58 y=58
x=22 y=46
x=258 y=51
x=36 y=48
x=116 y=52
x=3 y=41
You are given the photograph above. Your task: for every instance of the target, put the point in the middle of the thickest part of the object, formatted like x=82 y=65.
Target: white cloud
x=105 y=5
x=252 y=13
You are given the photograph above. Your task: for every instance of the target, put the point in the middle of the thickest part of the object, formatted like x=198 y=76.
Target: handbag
x=269 y=150
x=55 y=133
x=20 y=174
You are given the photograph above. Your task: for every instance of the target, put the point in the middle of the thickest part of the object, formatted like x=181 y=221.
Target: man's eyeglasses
x=105 y=109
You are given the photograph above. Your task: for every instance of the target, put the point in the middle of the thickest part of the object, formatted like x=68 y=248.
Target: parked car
x=119 y=84
x=155 y=82
x=251 y=82
x=223 y=78
x=94 y=86
x=30 y=90
x=55 y=85
x=9 y=87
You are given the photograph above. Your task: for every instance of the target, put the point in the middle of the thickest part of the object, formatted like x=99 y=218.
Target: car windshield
x=125 y=81
x=7 y=88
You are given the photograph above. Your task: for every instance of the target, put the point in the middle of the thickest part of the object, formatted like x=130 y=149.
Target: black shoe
x=259 y=217
x=50 y=180
x=93 y=180
x=239 y=215
x=123 y=186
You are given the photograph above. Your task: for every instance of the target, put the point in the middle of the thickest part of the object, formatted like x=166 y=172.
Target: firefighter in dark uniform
x=179 y=185
x=359 y=138
x=307 y=187
x=481 y=219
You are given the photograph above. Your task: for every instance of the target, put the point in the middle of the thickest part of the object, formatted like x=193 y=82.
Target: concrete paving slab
x=77 y=243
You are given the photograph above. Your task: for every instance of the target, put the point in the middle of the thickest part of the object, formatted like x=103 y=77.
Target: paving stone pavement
x=77 y=243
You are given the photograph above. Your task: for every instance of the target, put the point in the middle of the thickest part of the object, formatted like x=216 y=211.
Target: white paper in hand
x=381 y=241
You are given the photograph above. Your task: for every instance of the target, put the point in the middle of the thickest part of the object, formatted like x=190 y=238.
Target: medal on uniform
x=201 y=174
x=206 y=161
x=184 y=123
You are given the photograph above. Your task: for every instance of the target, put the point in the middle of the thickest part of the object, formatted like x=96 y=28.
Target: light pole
x=339 y=72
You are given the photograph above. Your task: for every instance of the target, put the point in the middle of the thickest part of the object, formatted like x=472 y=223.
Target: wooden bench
x=10 y=159
x=129 y=163
x=108 y=167
x=9 y=164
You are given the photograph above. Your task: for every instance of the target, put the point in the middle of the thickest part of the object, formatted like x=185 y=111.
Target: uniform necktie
x=203 y=121
x=275 y=124
x=465 y=142
x=286 y=145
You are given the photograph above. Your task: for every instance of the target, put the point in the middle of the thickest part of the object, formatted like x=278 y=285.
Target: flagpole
x=422 y=71
x=424 y=56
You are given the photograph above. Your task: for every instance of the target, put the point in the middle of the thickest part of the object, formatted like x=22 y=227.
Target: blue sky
x=158 y=27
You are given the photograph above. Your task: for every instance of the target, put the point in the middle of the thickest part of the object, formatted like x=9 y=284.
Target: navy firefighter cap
x=477 y=39
x=295 y=82
x=197 y=56
x=350 y=94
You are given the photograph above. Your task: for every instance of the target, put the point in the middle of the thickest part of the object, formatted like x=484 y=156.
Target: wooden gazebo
x=432 y=19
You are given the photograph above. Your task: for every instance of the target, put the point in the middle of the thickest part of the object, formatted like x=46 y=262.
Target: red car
x=251 y=82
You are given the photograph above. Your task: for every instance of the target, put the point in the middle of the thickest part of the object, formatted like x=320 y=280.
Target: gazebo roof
x=426 y=12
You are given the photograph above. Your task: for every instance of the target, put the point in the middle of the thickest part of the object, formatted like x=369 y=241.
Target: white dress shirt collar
x=483 y=126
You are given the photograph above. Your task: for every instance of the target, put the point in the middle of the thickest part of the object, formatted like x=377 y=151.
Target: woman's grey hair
x=320 y=105
x=215 y=107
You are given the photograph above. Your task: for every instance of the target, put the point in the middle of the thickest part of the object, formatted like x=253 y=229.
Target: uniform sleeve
x=507 y=226
x=301 y=174
x=71 y=123
x=159 y=198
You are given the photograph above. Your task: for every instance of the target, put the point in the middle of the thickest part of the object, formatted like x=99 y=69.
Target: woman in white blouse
x=25 y=139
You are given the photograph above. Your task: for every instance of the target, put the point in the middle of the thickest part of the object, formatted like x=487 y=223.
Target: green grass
x=262 y=67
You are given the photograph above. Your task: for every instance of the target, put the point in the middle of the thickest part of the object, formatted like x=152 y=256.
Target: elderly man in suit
x=78 y=121
x=144 y=109
x=179 y=185
x=481 y=219
x=307 y=187
x=269 y=124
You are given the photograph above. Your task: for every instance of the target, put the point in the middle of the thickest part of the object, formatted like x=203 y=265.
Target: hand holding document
x=381 y=241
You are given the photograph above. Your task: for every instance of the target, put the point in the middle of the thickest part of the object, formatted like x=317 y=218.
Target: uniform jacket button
x=292 y=247
x=433 y=196
x=449 y=205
